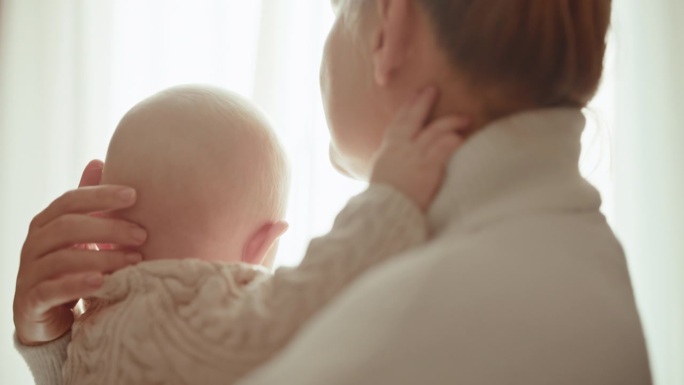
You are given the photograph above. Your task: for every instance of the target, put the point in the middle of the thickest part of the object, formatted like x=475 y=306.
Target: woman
x=523 y=282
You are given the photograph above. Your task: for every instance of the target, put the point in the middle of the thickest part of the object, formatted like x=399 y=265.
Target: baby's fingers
x=413 y=116
x=435 y=131
x=442 y=151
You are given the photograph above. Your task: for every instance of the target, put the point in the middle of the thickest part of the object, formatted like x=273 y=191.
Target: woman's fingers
x=92 y=175
x=87 y=200
x=58 y=262
x=72 y=261
x=73 y=229
x=50 y=294
x=413 y=116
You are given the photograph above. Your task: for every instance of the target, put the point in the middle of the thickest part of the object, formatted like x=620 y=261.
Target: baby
x=203 y=308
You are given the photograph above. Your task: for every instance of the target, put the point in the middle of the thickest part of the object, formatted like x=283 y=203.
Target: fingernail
x=134 y=257
x=127 y=195
x=94 y=279
x=139 y=235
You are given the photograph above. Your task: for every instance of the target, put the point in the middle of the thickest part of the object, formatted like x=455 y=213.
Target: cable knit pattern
x=170 y=322
x=192 y=322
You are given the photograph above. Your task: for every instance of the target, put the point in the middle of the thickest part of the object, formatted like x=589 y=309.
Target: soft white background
x=69 y=69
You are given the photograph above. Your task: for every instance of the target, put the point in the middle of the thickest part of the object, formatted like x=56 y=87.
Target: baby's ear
x=258 y=245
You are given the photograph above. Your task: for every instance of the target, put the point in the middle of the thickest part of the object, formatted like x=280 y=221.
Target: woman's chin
x=335 y=161
x=343 y=166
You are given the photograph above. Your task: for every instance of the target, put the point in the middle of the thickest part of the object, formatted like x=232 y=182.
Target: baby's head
x=210 y=175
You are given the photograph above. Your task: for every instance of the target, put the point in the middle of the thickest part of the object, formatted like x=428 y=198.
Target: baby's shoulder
x=176 y=291
x=146 y=318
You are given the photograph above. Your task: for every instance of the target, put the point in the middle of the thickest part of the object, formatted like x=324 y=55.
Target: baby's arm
x=374 y=226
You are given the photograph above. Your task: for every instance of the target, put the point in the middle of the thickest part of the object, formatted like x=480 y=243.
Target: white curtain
x=69 y=69
x=649 y=170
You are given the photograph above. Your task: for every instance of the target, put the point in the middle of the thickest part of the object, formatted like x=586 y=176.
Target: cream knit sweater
x=522 y=283
x=193 y=322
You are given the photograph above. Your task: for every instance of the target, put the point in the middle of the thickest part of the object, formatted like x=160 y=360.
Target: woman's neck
x=482 y=104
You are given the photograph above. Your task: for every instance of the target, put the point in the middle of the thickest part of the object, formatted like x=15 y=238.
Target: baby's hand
x=415 y=153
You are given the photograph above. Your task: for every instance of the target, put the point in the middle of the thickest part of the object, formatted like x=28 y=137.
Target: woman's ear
x=390 y=45
x=92 y=175
x=258 y=245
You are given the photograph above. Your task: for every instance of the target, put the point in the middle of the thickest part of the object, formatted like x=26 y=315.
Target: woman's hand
x=58 y=263
x=415 y=152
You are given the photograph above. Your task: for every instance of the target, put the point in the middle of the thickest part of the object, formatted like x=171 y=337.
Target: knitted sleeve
x=373 y=227
x=45 y=361
x=244 y=329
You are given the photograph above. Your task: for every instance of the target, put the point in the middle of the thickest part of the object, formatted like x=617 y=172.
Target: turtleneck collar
x=523 y=163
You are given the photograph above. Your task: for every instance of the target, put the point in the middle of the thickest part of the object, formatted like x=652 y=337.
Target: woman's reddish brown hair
x=548 y=52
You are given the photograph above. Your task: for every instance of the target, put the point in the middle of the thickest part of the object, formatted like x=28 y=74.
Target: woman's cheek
x=337 y=163
x=328 y=79
x=333 y=90
x=348 y=103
